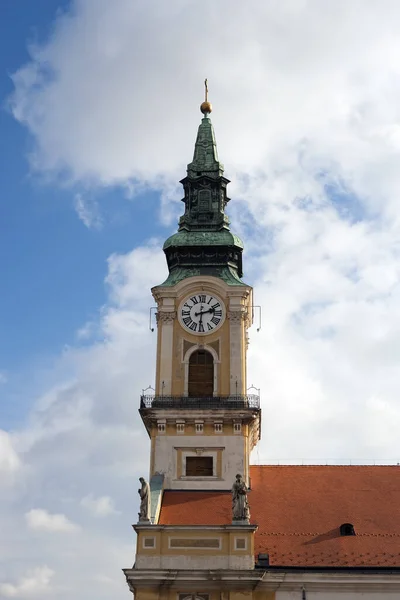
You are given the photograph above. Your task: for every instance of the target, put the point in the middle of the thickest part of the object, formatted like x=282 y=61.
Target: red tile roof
x=299 y=510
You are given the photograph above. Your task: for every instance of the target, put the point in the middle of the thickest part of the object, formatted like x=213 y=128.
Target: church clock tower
x=201 y=421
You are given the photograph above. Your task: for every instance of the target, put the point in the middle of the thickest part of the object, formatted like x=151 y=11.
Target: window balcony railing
x=196 y=402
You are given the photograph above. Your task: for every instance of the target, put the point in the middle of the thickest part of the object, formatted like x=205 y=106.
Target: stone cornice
x=350 y=580
x=219 y=528
x=241 y=292
x=228 y=415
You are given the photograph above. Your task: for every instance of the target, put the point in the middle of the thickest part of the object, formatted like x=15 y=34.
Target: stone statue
x=144 y=493
x=240 y=506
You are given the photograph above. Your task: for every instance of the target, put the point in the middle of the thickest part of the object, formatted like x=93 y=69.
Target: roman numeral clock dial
x=201 y=313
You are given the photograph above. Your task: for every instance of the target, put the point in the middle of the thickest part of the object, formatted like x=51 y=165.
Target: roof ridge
x=198 y=491
x=326 y=466
x=315 y=534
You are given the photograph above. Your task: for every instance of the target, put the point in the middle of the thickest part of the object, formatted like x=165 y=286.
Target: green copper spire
x=205 y=159
x=205 y=186
x=203 y=244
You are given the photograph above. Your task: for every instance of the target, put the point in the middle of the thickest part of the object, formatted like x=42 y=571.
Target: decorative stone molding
x=237 y=316
x=199 y=427
x=240 y=543
x=149 y=542
x=180 y=427
x=237 y=427
x=167 y=317
x=161 y=425
x=188 y=544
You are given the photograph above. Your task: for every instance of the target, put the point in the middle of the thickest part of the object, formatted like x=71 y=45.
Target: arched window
x=201 y=374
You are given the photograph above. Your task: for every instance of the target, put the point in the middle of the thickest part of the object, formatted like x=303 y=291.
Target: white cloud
x=3 y=377
x=128 y=275
x=307 y=121
x=82 y=435
x=293 y=78
x=87 y=331
x=35 y=583
x=99 y=507
x=88 y=212
x=103 y=579
x=9 y=460
x=41 y=520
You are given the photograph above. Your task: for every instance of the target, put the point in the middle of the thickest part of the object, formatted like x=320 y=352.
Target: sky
x=99 y=112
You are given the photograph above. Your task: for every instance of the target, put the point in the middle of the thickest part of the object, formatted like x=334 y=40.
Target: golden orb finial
x=206 y=106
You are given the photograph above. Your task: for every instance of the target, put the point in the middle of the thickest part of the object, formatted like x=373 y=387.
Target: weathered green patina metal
x=203 y=238
x=227 y=274
x=205 y=158
x=204 y=244
x=205 y=187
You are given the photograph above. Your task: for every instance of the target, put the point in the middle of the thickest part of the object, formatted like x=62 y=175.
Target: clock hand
x=210 y=310
x=204 y=312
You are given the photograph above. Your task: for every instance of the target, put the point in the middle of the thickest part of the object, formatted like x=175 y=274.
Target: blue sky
x=54 y=267
x=98 y=121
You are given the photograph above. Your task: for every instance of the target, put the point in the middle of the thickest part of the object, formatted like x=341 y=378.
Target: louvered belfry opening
x=201 y=374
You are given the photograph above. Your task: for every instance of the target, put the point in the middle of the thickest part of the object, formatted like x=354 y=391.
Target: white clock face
x=201 y=313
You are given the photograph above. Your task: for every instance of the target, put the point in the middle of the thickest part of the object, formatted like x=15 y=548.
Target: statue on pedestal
x=240 y=506
x=144 y=493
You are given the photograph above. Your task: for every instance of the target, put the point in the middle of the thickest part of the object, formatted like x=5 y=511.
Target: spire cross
x=205 y=106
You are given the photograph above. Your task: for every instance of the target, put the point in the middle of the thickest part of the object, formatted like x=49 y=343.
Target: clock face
x=201 y=313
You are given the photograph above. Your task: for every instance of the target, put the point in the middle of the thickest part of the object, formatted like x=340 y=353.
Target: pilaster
x=165 y=320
